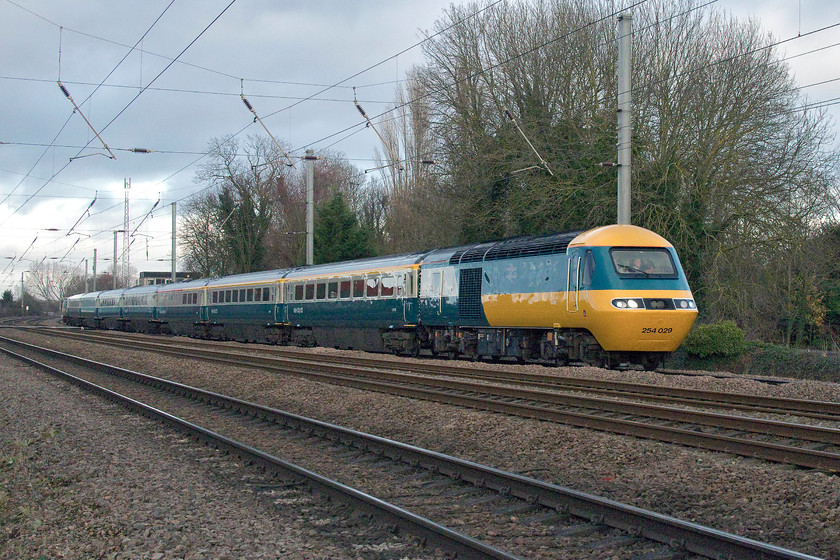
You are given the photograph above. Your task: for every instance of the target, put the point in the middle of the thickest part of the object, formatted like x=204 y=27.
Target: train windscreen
x=643 y=262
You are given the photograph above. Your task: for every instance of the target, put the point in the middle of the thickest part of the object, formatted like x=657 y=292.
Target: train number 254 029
x=663 y=330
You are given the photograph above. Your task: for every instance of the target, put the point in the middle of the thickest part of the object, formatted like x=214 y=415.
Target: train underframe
x=546 y=346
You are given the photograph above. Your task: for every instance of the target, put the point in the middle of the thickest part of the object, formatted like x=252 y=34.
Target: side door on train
x=575 y=261
x=410 y=296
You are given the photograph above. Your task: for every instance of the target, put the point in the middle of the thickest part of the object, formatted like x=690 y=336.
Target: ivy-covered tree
x=729 y=164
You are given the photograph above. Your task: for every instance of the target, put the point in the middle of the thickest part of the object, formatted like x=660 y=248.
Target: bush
x=794 y=362
x=716 y=339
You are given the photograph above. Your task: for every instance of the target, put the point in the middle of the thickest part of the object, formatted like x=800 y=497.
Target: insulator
x=245 y=101
x=141 y=150
x=64 y=90
x=362 y=111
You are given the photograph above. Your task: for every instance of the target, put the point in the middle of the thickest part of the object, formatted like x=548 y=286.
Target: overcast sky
x=279 y=52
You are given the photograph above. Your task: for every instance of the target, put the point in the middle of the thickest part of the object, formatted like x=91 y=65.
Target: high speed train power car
x=614 y=296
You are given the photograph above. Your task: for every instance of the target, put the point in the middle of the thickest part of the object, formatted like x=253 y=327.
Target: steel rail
x=535 y=404
x=675 y=533
x=827 y=410
x=458 y=543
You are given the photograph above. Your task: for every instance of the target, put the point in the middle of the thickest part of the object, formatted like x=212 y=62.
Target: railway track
x=507 y=515
x=803 y=445
x=820 y=410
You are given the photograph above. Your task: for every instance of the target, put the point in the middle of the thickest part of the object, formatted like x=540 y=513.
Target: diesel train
x=614 y=296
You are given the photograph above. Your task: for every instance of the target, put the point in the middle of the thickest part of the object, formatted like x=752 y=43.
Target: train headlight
x=628 y=303
x=684 y=304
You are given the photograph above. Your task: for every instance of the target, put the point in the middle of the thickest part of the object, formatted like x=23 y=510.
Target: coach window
x=310 y=291
x=215 y=297
x=299 y=292
x=372 y=284
x=321 y=290
x=402 y=280
x=228 y=297
x=195 y=298
x=344 y=289
x=358 y=287
x=388 y=286
x=249 y=295
x=266 y=294
x=332 y=290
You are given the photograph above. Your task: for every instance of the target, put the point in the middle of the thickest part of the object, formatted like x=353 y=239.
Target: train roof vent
x=456 y=256
x=530 y=246
x=476 y=254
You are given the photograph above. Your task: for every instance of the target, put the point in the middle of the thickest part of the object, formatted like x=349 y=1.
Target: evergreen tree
x=338 y=235
x=8 y=300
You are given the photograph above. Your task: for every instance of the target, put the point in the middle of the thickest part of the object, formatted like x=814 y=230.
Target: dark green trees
x=338 y=234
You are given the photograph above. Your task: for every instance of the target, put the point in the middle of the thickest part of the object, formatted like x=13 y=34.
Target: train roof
x=180 y=286
x=620 y=235
x=86 y=295
x=524 y=246
x=263 y=276
x=107 y=293
x=359 y=265
x=142 y=289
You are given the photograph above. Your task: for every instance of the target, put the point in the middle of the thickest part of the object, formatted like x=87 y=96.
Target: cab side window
x=588 y=270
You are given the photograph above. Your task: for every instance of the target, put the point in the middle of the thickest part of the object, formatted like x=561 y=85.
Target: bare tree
x=414 y=214
x=225 y=229
x=51 y=282
x=201 y=236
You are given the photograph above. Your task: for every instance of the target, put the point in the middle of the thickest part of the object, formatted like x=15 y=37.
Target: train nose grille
x=657 y=303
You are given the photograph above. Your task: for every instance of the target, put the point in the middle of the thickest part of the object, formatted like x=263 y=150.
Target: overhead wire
x=114 y=69
x=482 y=71
x=191 y=43
x=407 y=103
x=328 y=88
x=392 y=57
x=30 y=197
x=190 y=64
x=201 y=92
